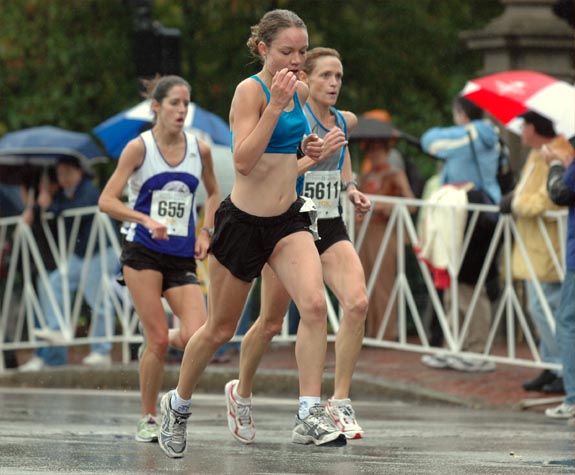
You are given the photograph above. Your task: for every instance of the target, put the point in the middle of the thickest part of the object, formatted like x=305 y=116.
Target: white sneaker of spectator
x=33 y=364
x=98 y=359
x=470 y=365
x=562 y=411
x=438 y=361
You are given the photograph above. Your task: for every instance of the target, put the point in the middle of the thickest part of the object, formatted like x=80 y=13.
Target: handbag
x=505 y=176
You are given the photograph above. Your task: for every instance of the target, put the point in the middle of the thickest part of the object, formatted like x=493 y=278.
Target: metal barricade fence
x=509 y=314
x=23 y=322
x=22 y=272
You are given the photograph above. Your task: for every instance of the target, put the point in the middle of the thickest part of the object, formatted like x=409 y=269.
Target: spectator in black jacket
x=561 y=189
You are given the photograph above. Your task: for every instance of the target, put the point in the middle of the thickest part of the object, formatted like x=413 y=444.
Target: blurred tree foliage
x=70 y=62
x=63 y=63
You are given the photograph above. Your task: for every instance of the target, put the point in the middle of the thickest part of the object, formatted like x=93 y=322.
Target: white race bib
x=172 y=208
x=323 y=187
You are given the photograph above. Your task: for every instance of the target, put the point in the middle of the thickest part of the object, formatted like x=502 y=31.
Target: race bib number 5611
x=323 y=188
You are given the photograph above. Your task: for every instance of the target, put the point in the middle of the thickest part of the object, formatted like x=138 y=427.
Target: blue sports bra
x=290 y=128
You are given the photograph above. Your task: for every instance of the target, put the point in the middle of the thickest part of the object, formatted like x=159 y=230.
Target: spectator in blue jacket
x=76 y=191
x=561 y=189
x=470 y=151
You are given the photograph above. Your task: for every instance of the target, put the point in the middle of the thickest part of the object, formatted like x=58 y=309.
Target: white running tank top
x=167 y=194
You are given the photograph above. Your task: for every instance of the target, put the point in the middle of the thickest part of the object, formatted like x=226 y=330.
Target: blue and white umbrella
x=25 y=153
x=119 y=129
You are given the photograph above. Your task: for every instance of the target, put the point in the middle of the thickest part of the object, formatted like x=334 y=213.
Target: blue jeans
x=565 y=333
x=58 y=355
x=548 y=345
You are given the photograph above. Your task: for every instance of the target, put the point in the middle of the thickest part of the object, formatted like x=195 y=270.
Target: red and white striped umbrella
x=508 y=94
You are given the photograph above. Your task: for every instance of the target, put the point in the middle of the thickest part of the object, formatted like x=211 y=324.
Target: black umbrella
x=374 y=129
x=26 y=153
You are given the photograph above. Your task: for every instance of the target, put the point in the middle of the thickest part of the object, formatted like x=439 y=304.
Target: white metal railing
x=22 y=314
x=23 y=317
x=508 y=309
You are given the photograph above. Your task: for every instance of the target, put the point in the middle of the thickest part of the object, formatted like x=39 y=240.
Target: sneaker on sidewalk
x=316 y=428
x=343 y=416
x=435 y=361
x=147 y=429
x=172 y=437
x=459 y=363
x=536 y=384
x=240 y=421
x=562 y=411
x=33 y=364
x=555 y=387
x=98 y=360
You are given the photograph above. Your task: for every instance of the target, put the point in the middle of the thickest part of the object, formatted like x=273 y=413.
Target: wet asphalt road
x=91 y=432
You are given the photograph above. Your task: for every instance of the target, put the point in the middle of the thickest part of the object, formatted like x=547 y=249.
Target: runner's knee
x=356 y=307
x=313 y=309
x=157 y=344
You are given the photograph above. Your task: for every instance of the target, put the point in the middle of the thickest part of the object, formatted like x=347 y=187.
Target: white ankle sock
x=183 y=406
x=241 y=400
x=305 y=402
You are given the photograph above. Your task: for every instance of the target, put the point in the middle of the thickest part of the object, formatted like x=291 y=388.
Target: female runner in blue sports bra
x=263 y=221
x=343 y=273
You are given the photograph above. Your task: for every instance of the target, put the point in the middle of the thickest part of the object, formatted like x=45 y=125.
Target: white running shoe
x=98 y=360
x=240 y=421
x=33 y=364
x=316 y=428
x=343 y=416
x=435 y=361
x=147 y=429
x=460 y=363
x=172 y=437
x=562 y=411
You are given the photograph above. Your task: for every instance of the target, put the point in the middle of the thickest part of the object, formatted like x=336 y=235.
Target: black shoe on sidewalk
x=546 y=377
x=556 y=387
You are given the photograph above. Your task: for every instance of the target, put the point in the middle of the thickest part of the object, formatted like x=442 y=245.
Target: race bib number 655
x=172 y=208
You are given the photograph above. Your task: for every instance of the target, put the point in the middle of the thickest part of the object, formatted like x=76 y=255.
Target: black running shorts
x=243 y=243
x=330 y=231
x=176 y=270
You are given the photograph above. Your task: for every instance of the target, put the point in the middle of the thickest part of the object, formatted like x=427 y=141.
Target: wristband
x=299 y=152
x=210 y=231
x=347 y=184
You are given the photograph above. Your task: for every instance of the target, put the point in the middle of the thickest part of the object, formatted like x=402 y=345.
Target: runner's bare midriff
x=253 y=193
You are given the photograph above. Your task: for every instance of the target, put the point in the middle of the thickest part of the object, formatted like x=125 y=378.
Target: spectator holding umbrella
x=528 y=202
x=76 y=190
x=470 y=151
x=386 y=179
